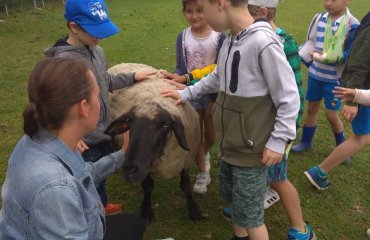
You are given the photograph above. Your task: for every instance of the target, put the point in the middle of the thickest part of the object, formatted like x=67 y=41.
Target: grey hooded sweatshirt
x=258 y=98
x=98 y=65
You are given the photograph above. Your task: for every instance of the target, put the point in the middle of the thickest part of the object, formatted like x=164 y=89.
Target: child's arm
x=127 y=79
x=307 y=49
x=120 y=80
x=192 y=77
x=362 y=96
x=283 y=90
x=209 y=84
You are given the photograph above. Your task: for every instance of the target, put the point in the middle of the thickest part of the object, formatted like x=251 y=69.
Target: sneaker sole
x=271 y=201
x=313 y=182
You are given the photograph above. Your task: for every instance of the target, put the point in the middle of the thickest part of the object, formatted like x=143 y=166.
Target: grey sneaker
x=207 y=162
x=203 y=180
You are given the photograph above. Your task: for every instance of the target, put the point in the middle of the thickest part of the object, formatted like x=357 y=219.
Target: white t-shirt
x=200 y=52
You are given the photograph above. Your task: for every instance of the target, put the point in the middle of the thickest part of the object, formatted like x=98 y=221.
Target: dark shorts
x=317 y=90
x=244 y=187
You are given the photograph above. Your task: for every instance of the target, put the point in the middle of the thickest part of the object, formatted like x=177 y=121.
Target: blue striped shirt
x=330 y=72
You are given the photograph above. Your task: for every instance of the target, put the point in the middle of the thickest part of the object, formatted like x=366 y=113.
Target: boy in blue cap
x=88 y=22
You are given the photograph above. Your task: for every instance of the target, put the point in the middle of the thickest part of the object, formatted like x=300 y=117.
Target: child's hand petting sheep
x=173 y=94
x=178 y=86
x=173 y=76
x=139 y=76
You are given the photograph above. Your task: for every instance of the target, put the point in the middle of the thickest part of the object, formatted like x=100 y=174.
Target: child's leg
x=344 y=151
x=314 y=96
x=318 y=175
x=258 y=233
x=203 y=178
x=290 y=199
x=336 y=124
x=333 y=106
x=312 y=110
x=337 y=127
x=239 y=231
x=309 y=128
x=248 y=187
x=201 y=152
x=278 y=179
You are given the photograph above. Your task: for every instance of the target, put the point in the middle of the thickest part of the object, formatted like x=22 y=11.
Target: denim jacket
x=49 y=191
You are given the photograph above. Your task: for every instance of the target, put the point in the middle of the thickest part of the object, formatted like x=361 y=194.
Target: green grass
x=149 y=30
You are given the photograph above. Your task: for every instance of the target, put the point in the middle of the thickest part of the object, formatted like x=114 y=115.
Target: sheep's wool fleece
x=147 y=92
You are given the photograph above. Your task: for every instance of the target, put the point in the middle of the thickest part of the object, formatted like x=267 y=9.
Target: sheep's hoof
x=195 y=213
x=147 y=214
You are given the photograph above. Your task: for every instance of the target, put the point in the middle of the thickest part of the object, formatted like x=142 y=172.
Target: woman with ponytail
x=49 y=190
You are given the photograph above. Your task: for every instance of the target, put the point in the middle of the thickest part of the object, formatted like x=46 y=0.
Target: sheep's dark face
x=148 y=138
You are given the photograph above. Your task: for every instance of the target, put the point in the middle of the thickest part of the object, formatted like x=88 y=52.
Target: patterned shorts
x=244 y=187
x=279 y=171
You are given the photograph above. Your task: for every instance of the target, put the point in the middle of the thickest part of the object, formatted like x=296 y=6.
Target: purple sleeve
x=220 y=42
x=180 y=64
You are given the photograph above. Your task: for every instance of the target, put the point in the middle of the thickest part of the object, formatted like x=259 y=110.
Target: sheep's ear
x=178 y=129
x=118 y=126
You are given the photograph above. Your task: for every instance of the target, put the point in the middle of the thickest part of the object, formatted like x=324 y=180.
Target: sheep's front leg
x=146 y=207
x=193 y=208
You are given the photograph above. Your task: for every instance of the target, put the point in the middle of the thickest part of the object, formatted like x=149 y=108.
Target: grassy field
x=149 y=30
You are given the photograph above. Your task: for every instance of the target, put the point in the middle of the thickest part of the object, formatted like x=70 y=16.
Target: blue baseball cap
x=92 y=16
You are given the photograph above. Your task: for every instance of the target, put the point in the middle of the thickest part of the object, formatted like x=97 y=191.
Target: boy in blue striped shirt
x=329 y=41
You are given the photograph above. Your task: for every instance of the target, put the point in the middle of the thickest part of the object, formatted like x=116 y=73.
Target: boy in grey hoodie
x=256 y=108
x=88 y=22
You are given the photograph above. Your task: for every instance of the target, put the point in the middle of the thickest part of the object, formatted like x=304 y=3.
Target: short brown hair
x=54 y=86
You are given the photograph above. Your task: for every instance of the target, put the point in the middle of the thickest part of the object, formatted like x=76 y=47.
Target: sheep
x=164 y=138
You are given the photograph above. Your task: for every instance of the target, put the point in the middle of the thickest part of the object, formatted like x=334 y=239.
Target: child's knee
x=333 y=117
x=313 y=108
